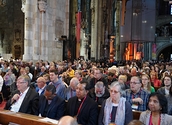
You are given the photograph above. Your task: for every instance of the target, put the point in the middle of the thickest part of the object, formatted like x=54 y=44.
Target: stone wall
x=45 y=23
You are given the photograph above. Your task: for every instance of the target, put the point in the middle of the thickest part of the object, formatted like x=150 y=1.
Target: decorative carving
x=2 y=3
x=42 y=5
x=23 y=6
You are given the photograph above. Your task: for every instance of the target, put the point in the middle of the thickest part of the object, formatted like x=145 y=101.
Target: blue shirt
x=69 y=93
x=60 y=88
x=129 y=95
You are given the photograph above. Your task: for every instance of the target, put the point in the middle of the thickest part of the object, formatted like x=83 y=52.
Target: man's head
x=23 y=82
x=99 y=89
x=22 y=71
x=50 y=92
x=110 y=75
x=167 y=80
x=81 y=89
x=135 y=84
x=98 y=73
x=78 y=74
x=43 y=68
x=73 y=83
x=27 y=69
x=41 y=82
x=67 y=120
x=53 y=75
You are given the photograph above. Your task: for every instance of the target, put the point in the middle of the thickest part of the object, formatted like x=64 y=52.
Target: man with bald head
x=41 y=84
x=67 y=120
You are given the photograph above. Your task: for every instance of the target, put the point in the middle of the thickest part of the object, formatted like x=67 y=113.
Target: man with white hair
x=71 y=90
x=99 y=93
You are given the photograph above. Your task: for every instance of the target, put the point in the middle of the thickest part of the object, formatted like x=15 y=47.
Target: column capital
x=42 y=5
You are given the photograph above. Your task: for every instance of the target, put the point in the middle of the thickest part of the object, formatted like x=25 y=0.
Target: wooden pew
x=7 y=116
x=136 y=114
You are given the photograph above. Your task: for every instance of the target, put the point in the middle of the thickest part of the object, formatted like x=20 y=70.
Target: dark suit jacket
x=29 y=104
x=99 y=100
x=56 y=109
x=89 y=111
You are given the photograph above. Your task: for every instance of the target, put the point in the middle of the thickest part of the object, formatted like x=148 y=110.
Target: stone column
x=117 y=53
x=42 y=5
x=94 y=8
x=28 y=35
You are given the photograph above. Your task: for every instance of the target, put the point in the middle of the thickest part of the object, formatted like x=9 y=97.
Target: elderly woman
x=157 y=113
x=115 y=109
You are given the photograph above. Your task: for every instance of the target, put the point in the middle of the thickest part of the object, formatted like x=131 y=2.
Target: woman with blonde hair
x=146 y=84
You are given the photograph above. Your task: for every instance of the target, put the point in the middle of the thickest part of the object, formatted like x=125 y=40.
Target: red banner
x=78 y=26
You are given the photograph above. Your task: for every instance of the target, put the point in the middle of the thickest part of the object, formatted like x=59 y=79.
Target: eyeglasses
x=20 y=82
x=134 y=83
x=113 y=91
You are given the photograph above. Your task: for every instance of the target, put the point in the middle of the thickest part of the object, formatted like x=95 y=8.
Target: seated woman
x=157 y=113
x=115 y=109
x=154 y=79
x=169 y=99
x=146 y=84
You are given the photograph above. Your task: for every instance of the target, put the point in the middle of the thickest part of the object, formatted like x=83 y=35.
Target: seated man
x=99 y=93
x=82 y=107
x=41 y=84
x=71 y=90
x=25 y=99
x=50 y=104
x=58 y=83
x=137 y=97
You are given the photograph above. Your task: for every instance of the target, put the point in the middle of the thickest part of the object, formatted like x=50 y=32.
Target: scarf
x=120 y=113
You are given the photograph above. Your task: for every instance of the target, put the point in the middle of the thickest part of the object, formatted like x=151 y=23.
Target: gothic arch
x=161 y=47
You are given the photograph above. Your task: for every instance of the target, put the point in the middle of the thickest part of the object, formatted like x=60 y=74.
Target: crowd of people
x=89 y=93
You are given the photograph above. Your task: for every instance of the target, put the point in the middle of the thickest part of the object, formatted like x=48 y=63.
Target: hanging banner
x=78 y=26
x=153 y=51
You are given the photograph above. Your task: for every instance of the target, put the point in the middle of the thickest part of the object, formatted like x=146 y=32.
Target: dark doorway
x=165 y=54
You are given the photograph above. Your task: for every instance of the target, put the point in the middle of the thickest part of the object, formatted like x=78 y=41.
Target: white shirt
x=16 y=106
x=40 y=90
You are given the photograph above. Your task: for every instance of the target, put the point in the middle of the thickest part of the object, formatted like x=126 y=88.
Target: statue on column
x=42 y=5
x=23 y=6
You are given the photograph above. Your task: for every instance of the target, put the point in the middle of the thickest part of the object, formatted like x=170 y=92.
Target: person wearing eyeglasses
x=146 y=84
x=137 y=96
x=115 y=109
x=25 y=99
